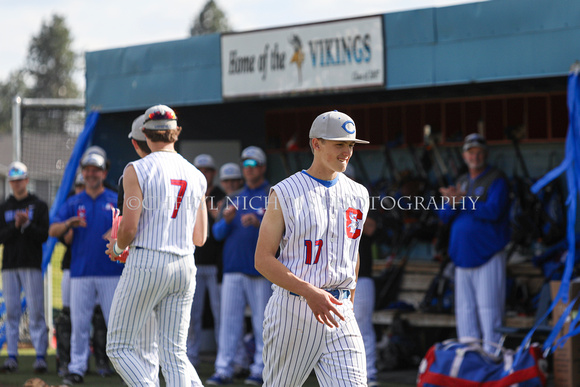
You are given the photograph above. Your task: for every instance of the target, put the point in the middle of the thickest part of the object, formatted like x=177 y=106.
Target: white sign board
x=309 y=58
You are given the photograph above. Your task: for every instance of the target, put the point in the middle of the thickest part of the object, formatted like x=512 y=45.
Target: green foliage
x=210 y=20
x=51 y=61
x=13 y=86
x=50 y=66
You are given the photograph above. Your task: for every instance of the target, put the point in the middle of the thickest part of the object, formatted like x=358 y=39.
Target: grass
x=25 y=372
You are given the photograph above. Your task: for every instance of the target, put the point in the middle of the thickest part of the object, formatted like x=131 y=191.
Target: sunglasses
x=250 y=163
x=158 y=115
x=15 y=172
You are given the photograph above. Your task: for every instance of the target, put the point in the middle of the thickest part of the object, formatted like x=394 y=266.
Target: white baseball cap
x=230 y=171
x=335 y=126
x=254 y=153
x=95 y=160
x=96 y=149
x=137 y=129
x=204 y=161
x=79 y=179
x=17 y=171
x=160 y=117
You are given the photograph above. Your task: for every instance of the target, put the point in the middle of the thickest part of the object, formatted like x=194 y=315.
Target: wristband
x=117 y=250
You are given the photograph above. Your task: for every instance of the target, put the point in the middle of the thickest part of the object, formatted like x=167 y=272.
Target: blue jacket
x=240 y=242
x=88 y=246
x=482 y=229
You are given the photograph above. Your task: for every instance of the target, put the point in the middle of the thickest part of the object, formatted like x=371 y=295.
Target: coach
x=476 y=246
x=93 y=276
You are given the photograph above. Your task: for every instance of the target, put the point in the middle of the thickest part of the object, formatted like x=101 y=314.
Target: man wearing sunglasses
x=238 y=226
x=23 y=230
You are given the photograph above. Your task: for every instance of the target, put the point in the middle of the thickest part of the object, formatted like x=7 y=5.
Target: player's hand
x=21 y=218
x=107 y=234
x=250 y=220
x=229 y=214
x=110 y=250
x=76 y=221
x=322 y=305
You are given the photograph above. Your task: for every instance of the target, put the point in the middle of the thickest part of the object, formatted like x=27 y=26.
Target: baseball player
x=23 y=229
x=315 y=218
x=476 y=244
x=207 y=259
x=242 y=285
x=146 y=344
x=93 y=276
x=62 y=323
x=164 y=216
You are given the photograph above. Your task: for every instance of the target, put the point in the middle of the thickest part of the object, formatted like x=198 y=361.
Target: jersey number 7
x=308 y=243
x=182 y=187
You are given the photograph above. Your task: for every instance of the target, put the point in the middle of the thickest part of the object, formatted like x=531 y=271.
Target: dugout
x=493 y=65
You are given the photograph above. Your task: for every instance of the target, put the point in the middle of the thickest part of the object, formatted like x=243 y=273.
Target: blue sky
x=97 y=25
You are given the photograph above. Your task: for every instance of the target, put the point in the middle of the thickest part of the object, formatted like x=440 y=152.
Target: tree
x=51 y=62
x=50 y=67
x=210 y=20
x=13 y=86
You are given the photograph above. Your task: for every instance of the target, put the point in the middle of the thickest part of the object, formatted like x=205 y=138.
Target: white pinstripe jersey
x=172 y=188
x=323 y=225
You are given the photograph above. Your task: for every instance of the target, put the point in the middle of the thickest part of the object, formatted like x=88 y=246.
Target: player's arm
x=356 y=275
x=132 y=207
x=201 y=224
x=320 y=302
x=59 y=228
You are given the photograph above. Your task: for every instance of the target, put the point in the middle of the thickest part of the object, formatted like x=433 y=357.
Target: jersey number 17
x=318 y=244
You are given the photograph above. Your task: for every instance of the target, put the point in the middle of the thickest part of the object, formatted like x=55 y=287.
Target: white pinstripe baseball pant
x=480 y=300
x=295 y=344
x=147 y=347
x=86 y=292
x=65 y=288
x=364 y=306
x=239 y=290
x=32 y=281
x=158 y=281
x=205 y=281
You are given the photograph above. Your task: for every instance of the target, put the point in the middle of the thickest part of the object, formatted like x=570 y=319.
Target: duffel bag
x=453 y=363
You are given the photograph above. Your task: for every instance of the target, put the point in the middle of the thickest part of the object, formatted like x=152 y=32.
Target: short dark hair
x=143 y=146
x=170 y=135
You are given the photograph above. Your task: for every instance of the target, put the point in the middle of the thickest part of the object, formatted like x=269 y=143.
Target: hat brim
x=467 y=147
x=347 y=139
x=16 y=178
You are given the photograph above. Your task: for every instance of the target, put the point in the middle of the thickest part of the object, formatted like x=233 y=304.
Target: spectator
x=478 y=211
x=93 y=276
x=23 y=230
x=242 y=284
x=207 y=259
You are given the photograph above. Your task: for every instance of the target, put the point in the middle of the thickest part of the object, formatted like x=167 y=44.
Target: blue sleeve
x=497 y=202
x=447 y=213
x=221 y=229
x=63 y=213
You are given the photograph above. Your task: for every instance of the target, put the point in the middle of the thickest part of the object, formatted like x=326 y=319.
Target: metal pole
x=16 y=129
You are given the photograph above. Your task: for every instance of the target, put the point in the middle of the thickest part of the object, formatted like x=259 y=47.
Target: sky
x=104 y=24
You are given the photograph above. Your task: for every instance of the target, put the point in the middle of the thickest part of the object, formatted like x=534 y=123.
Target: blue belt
x=339 y=294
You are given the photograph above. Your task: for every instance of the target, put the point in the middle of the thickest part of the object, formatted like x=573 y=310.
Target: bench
x=417 y=276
